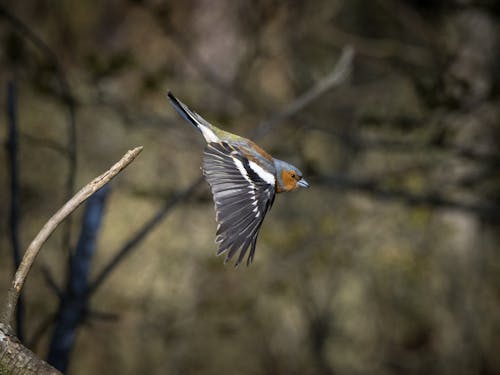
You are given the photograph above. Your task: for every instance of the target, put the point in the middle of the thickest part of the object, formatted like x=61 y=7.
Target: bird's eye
x=293 y=175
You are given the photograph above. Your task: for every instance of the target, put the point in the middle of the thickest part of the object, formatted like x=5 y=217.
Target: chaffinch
x=244 y=180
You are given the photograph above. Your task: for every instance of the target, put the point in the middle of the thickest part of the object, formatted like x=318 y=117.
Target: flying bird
x=244 y=180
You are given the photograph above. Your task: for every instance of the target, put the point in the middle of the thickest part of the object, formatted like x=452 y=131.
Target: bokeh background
x=388 y=264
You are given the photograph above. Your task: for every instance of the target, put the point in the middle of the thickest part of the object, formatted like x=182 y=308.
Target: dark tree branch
x=40 y=331
x=102 y=315
x=432 y=200
x=68 y=100
x=46 y=143
x=133 y=241
x=49 y=279
x=14 y=216
x=432 y=143
x=73 y=304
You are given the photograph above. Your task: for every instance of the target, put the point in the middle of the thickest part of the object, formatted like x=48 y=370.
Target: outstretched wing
x=243 y=193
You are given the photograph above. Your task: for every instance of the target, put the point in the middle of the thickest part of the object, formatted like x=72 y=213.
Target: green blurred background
x=388 y=264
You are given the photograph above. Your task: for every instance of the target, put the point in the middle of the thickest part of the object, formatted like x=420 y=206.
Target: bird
x=244 y=180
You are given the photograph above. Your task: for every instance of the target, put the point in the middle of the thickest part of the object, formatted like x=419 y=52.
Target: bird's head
x=289 y=177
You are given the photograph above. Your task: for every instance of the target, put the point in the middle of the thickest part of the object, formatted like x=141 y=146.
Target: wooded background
x=388 y=264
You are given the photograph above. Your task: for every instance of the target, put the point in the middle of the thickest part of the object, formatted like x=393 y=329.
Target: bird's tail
x=194 y=119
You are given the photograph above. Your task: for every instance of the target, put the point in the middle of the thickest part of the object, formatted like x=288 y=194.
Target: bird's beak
x=303 y=183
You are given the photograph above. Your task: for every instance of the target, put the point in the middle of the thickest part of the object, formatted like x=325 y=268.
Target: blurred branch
x=73 y=304
x=409 y=18
x=335 y=78
x=432 y=200
x=49 y=279
x=12 y=151
x=378 y=48
x=102 y=315
x=194 y=59
x=431 y=143
x=318 y=331
x=47 y=143
x=68 y=100
x=40 y=331
x=231 y=90
x=42 y=236
x=127 y=112
x=135 y=239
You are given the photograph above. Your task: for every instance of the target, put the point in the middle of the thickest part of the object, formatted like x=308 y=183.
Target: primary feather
x=241 y=198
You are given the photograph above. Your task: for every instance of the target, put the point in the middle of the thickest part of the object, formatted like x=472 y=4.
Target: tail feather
x=183 y=110
x=193 y=118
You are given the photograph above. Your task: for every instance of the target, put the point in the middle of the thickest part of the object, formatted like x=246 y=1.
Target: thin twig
x=42 y=236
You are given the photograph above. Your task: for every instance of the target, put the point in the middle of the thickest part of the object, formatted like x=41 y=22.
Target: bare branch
x=51 y=225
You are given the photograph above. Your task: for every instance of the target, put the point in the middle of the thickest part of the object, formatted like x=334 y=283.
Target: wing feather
x=242 y=199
